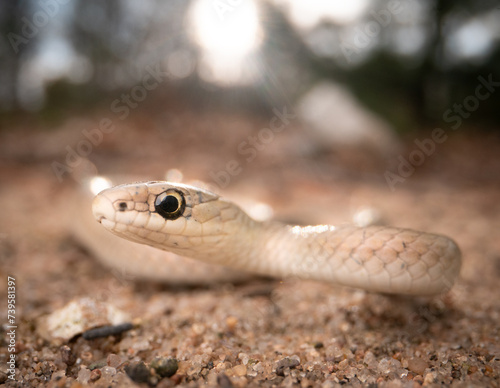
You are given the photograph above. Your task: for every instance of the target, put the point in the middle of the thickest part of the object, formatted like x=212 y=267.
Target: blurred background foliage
x=409 y=61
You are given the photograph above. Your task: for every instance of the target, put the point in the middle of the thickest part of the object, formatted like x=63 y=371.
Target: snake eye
x=170 y=204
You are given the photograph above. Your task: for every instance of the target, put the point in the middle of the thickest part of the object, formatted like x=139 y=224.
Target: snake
x=132 y=262
x=212 y=231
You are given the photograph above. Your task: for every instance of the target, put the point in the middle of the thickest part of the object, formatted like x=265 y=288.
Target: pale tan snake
x=196 y=223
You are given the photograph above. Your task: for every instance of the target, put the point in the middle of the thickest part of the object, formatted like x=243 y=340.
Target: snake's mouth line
x=108 y=224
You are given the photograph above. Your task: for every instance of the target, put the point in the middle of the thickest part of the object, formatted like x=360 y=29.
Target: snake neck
x=275 y=249
x=291 y=251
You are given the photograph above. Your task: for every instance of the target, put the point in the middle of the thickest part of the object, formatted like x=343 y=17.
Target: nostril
x=102 y=208
x=122 y=206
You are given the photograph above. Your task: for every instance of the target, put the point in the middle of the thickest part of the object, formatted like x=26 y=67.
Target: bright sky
x=228 y=32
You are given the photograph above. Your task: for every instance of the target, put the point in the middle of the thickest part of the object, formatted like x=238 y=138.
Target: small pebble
x=58 y=375
x=95 y=375
x=108 y=372
x=198 y=329
x=86 y=357
x=138 y=372
x=419 y=379
x=417 y=365
x=106 y=331
x=286 y=363
x=430 y=378
x=67 y=355
x=240 y=370
x=244 y=358
x=224 y=381
x=98 y=364
x=176 y=379
x=114 y=360
x=165 y=367
x=370 y=360
x=384 y=366
x=231 y=323
x=84 y=375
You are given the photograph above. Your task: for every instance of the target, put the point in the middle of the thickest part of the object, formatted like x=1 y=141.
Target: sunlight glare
x=307 y=14
x=472 y=40
x=227 y=32
x=98 y=184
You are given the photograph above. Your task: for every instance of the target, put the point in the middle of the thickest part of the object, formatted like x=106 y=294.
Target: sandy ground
x=262 y=332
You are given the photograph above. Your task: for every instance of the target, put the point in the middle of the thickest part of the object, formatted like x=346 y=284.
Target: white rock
x=79 y=316
x=334 y=116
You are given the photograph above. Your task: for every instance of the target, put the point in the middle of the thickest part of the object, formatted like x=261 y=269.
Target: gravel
x=293 y=334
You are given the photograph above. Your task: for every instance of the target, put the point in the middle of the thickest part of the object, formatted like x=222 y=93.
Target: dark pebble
x=286 y=363
x=164 y=367
x=98 y=364
x=106 y=331
x=138 y=372
x=224 y=381
x=67 y=355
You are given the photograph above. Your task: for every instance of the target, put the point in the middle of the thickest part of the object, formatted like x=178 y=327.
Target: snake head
x=170 y=216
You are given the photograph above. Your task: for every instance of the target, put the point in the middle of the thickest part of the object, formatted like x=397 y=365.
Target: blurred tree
x=112 y=42
x=14 y=49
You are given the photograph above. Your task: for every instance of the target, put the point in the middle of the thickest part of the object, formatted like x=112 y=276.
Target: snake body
x=199 y=224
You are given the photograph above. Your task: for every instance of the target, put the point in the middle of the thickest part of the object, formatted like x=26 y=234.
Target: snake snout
x=102 y=208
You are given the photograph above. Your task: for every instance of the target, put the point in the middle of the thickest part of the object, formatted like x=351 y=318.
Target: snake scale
x=196 y=223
